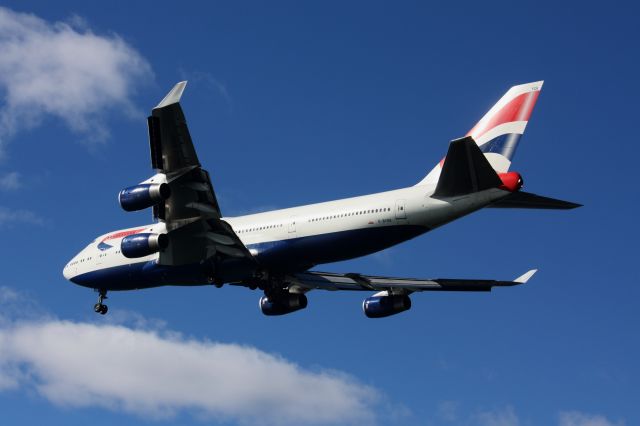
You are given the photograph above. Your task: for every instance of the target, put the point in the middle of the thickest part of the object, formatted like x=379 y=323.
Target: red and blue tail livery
x=192 y=243
x=499 y=131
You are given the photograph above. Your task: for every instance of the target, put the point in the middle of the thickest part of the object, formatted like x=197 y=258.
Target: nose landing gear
x=99 y=307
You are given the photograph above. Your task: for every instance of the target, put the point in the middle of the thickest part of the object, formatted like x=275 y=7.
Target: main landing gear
x=99 y=307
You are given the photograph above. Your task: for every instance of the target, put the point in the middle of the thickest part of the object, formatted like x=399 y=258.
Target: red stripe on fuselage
x=518 y=109
x=122 y=234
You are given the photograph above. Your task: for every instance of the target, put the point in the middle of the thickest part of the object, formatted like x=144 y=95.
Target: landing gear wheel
x=99 y=307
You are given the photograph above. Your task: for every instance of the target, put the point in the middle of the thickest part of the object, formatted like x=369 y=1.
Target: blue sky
x=291 y=103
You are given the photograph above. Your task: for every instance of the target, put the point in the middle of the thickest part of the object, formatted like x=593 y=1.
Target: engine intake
x=384 y=306
x=142 y=196
x=282 y=304
x=140 y=245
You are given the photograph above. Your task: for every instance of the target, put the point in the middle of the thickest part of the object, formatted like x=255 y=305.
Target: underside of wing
x=191 y=213
x=332 y=281
x=169 y=138
x=391 y=294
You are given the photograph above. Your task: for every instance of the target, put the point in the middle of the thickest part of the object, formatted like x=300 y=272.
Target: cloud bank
x=10 y=217
x=577 y=418
x=500 y=417
x=63 y=70
x=10 y=181
x=156 y=374
x=452 y=412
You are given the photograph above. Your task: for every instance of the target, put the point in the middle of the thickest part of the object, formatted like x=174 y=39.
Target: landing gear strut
x=99 y=307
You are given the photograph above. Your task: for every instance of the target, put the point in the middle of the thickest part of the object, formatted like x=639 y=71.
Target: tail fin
x=499 y=131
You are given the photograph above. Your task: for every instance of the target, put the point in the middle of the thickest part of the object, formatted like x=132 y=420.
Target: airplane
x=191 y=243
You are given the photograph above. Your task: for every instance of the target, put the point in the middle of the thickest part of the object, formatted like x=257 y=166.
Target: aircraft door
x=401 y=209
x=292 y=227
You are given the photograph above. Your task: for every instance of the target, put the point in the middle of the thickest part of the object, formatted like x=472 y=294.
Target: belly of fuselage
x=141 y=275
x=301 y=253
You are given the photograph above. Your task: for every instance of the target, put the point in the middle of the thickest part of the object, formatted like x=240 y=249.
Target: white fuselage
x=323 y=232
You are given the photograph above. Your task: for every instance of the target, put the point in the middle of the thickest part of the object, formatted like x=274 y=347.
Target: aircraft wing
x=307 y=281
x=173 y=154
x=191 y=213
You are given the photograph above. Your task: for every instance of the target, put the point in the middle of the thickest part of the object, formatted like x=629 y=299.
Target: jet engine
x=282 y=304
x=140 y=245
x=384 y=306
x=142 y=196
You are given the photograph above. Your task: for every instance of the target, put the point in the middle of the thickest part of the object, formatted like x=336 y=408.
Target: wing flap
x=155 y=144
x=200 y=240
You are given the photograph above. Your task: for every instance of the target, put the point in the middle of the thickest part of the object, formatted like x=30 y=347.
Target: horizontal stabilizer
x=465 y=170
x=526 y=200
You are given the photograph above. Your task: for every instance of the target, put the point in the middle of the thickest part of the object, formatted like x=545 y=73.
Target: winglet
x=173 y=97
x=525 y=277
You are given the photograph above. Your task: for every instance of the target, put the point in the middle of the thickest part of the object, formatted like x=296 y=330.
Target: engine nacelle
x=384 y=306
x=144 y=195
x=511 y=181
x=282 y=304
x=140 y=245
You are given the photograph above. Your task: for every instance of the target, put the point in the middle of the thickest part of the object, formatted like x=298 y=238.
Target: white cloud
x=10 y=181
x=156 y=374
x=448 y=411
x=10 y=217
x=453 y=413
x=500 y=417
x=63 y=70
x=577 y=418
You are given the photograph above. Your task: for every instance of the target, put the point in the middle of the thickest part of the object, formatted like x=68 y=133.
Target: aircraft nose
x=68 y=271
